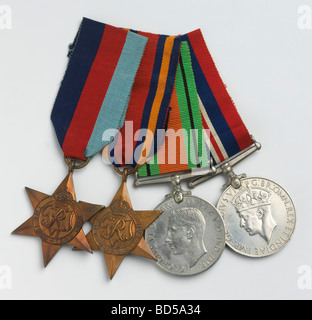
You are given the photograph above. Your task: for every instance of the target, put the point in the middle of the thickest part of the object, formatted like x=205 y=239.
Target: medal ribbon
x=95 y=91
x=163 y=97
x=185 y=114
x=228 y=134
x=149 y=102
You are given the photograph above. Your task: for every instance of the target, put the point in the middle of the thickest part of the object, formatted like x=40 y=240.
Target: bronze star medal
x=117 y=230
x=58 y=219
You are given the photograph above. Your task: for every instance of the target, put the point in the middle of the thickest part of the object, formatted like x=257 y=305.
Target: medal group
x=156 y=108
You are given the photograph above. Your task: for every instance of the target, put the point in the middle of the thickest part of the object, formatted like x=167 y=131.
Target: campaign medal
x=58 y=219
x=118 y=229
x=260 y=217
x=259 y=214
x=90 y=100
x=189 y=236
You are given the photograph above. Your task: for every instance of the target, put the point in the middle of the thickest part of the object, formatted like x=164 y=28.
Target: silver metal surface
x=222 y=167
x=178 y=193
x=260 y=217
x=188 y=237
x=234 y=180
x=165 y=178
x=200 y=175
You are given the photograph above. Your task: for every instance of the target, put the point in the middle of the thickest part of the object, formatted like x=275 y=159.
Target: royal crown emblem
x=250 y=198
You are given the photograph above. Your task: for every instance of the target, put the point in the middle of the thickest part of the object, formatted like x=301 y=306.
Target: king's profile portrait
x=185 y=235
x=254 y=209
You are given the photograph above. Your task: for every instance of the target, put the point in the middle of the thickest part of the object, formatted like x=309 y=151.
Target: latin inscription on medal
x=260 y=217
x=188 y=238
x=117 y=230
x=56 y=219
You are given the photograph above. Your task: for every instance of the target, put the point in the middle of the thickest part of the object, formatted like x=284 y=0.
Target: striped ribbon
x=96 y=87
x=184 y=148
x=174 y=84
x=149 y=102
x=201 y=90
x=229 y=135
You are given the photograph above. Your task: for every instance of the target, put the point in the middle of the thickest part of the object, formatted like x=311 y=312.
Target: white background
x=264 y=59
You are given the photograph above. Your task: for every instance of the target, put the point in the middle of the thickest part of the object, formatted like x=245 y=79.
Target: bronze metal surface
x=58 y=219
x=118 y=229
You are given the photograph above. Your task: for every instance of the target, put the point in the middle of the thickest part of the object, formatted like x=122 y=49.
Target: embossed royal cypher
x=118 y=229
x=90 y=100
x=58 y=219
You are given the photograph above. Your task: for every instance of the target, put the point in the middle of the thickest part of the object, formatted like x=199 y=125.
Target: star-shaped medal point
x=58 y=219
x=117 y=230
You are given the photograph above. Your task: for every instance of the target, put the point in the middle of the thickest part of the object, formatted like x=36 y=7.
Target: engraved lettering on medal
x=277 y=244
x=228 y=237
x=240 y=247
x=260 y=217
x=222 y=207
x=188 y=237
x=219 y=245
x=229 y=193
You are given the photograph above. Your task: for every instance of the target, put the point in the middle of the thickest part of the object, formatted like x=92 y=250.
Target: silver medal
x=260 y=217
x=189 y=236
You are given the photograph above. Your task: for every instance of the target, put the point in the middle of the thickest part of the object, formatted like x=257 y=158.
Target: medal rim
x=222 y=248
x=282 y=247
